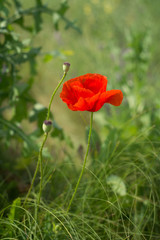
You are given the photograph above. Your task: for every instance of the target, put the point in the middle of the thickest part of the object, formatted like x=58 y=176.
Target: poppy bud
x=66 y=67
x=47 y=125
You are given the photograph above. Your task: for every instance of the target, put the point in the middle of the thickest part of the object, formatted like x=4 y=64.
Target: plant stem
x=41 y=167
x=31 y=186
x=49 y=108
x=84 y=163
x=39 y=162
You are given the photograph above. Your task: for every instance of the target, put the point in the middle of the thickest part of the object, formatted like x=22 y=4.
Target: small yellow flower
x=87 y=9
x=108 y=8
x=68 y=52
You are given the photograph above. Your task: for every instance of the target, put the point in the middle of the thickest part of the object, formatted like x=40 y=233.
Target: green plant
x=118 y=195
x=18 y=27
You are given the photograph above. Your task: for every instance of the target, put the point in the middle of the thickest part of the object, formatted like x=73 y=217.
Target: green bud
x=66 y=67
x=47 y=125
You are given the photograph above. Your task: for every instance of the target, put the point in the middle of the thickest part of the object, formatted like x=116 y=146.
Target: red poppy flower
x=88 y=93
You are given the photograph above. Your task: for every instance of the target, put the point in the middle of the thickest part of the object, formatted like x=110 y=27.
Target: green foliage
x=119 y=193
x=18 y=27
x=117 y=185
x=13 y=214
x=38 y=114
x=17 y=49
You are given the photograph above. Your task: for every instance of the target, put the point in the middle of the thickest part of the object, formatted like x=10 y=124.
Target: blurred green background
x=119 y=193
x=110 y=31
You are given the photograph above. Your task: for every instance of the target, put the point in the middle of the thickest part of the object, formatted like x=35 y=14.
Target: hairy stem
x=59 y=84
x=84 y=163
x=41 y=167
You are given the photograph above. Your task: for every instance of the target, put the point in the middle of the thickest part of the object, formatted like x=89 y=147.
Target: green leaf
x=14 y=213
x=3 y=24
x=37 y=16
x=16 y=131
x=56 y=18
x=48 y=58
x=3 y=9
x=15 y=94
x=117 y=185
x=57 y=131
x=21 y=111
x=17 y=4
x=63 y=8
x=38 y=113
x=39 y=3
x=26 y=42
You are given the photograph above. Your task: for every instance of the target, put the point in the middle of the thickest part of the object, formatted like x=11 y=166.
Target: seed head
x=47 y=125
x=66 y=67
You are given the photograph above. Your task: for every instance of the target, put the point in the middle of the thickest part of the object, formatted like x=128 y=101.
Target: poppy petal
x=95 y=82
x=89 y=104
x=114 y=97
x=67 y=94
x=71 y=93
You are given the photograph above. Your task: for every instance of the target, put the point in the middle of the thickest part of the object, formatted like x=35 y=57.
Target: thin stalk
x=84 y=163
x=39 y=162
x=31 y=186
x=49 y=108
x=41 y=181
x=41 y=167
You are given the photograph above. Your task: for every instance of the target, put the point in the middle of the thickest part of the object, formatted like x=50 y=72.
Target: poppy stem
x=84 y=163
x=45 y=137
x=59 y=84
x=39 y=162
x=41 y=167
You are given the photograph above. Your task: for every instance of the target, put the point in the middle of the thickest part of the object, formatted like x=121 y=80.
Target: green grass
x=97 y=212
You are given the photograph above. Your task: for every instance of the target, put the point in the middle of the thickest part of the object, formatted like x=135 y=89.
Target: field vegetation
x=118 y=196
